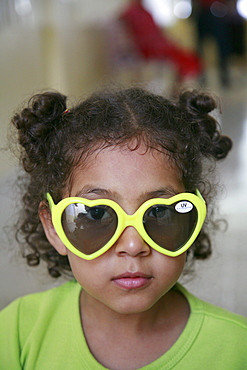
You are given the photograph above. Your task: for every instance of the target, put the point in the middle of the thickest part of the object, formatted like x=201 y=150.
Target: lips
x=130 y=280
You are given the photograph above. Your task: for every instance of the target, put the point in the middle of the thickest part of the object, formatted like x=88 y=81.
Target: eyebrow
x=105 y=193
x=163 y=192
x=90 y=189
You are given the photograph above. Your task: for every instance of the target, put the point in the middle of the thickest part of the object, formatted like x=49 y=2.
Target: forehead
x=122 y=170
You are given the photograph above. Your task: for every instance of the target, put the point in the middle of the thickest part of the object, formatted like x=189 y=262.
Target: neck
x=133 y=340
x=162 y=313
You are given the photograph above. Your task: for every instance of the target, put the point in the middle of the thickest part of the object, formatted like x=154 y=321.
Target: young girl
x=116 y=193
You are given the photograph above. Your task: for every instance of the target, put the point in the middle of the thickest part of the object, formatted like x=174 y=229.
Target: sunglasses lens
x=171 y=226
x=89 y=228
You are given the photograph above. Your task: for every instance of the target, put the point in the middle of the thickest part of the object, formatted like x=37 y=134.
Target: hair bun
x=36 y=123
x=222 y=147
x=49 y=105
x=197 y=103
x=204 y=126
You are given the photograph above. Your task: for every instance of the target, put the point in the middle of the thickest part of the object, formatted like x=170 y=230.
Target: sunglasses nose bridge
x=130 y=220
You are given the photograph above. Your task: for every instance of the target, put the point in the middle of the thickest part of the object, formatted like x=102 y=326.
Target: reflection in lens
x=89 y=228
x=167 y=227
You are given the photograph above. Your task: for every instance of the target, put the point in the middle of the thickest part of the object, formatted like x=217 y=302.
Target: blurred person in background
x=237 y=29
x=220 y=21
x=153 y=44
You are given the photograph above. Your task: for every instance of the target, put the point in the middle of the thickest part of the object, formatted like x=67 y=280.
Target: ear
x=50 y=232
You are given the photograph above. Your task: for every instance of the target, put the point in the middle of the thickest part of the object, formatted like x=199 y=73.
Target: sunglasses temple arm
x=50 y=201
x=199 y=195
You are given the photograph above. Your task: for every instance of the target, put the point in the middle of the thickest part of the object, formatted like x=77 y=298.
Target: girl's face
x=130 y=277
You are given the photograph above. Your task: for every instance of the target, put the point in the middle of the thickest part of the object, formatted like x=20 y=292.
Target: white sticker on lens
x=184 y=206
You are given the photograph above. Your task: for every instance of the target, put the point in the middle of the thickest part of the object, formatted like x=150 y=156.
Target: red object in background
x=152 y=43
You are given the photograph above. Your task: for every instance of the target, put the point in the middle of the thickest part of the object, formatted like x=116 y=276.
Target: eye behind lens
x=170 y=229
x=89 y=229
x=98 y=213
x=158 y=211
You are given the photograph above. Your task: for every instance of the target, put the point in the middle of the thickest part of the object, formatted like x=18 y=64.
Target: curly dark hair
x=54 y=141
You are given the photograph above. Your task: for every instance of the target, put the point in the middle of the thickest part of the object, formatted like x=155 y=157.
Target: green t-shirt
x=43 y=331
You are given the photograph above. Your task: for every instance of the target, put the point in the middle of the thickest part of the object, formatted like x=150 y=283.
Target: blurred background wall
x=74 y=46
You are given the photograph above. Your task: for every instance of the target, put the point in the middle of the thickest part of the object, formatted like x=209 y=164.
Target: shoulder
x=213 y=337
x=26 y=311
x=216 y=319
x=40 y=299
x=224 y=317
x=198 y=305
x=32 y=322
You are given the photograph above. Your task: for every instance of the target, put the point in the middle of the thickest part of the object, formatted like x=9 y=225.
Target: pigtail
x=39 y=128
x=204 y=126
x=205 y=142
x=35 y=124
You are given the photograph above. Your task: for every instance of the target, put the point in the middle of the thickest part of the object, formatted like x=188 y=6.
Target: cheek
x=171 y=267
x=85 y=272
x=78 y=265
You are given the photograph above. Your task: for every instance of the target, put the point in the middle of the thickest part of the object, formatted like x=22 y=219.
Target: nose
x=130 y=243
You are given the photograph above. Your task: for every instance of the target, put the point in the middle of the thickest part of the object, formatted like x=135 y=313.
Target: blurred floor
x=221 y=280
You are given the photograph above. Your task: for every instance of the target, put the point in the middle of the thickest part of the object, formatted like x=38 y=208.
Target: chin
x=134 y=305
